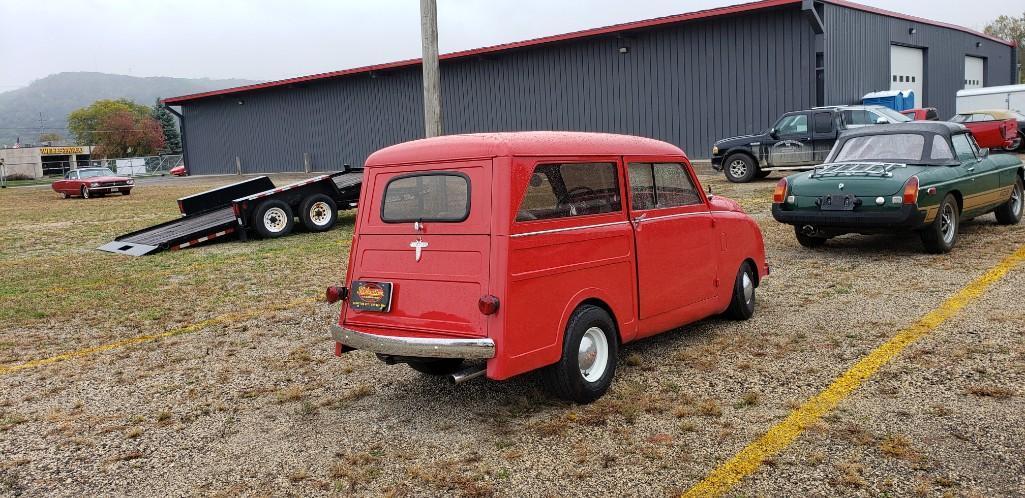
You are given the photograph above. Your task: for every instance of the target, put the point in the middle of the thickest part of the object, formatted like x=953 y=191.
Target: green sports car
x=923 y=177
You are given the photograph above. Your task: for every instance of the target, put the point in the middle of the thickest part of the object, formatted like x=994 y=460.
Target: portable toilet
x=907 y=100
x=888 y=98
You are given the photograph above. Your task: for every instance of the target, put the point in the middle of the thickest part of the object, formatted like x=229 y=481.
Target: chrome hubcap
x=948 y=223
x=274 y=219
x=738 y=168
x=320 y=213
x=749 y=288
x=1016 y=200
x=593 y=354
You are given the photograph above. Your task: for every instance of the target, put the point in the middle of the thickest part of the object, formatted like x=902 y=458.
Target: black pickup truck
x=799 y=140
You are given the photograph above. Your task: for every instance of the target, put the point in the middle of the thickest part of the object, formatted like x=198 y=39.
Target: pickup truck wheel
x=589 y=353
x=740 y=168
x=809 y=241
x=85 y=193
x=941 y=235
x=742 y=305
x=1009 y=213
x=319 y=213
x=442 y=366
x=273 y=219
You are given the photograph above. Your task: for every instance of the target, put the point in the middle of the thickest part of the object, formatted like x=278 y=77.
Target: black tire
x=64 y=195
x=441 y=366
x=740 y=168
x=809 y=241
x=126 y=192
x=941 y=235
x=1009 y=213
x=742 y=305
x=565 y=379
x=319 y=213
x=85 y=192
x=273 y=219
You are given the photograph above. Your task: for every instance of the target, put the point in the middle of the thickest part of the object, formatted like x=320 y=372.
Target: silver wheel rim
x=1016 y=199
x=85 y=193
x=948 y=223
x=275 y=220
x=593 y=354
x=320 y=213
x=738 y=168
x=749 y=288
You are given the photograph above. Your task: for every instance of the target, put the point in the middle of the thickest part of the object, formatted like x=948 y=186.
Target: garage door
x=907 y=71
x=974 y=71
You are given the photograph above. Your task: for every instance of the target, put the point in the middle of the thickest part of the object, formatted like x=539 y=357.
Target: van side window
x=442 y=197
x=661 y=185
x=570 y=189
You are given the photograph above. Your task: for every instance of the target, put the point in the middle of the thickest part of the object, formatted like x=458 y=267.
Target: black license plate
x=838 y=202
x=370 y=296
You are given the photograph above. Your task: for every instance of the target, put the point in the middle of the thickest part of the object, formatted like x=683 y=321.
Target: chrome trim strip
x=567 y=229
x=668 y=216
x=415 y=346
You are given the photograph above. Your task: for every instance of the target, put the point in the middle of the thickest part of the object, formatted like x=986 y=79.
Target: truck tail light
x=334 y=294
x=780 y=194
x=488 y=305
x=911 y=191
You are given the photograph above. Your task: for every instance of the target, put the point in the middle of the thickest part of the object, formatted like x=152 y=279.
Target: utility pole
x=432 y=78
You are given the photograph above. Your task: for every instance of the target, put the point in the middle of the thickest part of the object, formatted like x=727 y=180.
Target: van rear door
x=421 y=257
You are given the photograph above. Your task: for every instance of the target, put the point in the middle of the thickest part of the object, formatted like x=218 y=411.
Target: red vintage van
x=538 y=250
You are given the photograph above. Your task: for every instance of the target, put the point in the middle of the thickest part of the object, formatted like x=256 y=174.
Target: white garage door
x=974 y=70
x=907 y=71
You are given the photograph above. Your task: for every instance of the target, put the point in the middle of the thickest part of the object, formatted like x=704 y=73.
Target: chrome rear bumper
x=415 y=346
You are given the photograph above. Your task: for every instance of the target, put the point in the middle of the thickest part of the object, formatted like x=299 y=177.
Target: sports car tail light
x=488 y=305
x=911 y=191
x=780 y=193
x=334 y=294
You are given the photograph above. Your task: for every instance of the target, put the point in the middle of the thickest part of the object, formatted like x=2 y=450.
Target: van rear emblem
x=419 y=245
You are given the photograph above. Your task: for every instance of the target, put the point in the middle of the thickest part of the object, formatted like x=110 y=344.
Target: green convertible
x=923 y=177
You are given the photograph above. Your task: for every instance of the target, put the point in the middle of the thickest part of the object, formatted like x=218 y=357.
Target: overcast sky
x=267 y=40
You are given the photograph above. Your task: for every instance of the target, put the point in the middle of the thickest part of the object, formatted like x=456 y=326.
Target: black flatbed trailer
x=255 y=205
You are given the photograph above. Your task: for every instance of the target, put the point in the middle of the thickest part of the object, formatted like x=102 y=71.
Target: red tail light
x=334 y=294
x=488 y=305
x=780 y=194
x=911 y=191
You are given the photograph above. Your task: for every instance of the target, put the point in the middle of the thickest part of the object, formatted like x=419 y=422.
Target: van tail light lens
x=334 y=294
x=911 y=191
x=488 y=305
x=780 y=194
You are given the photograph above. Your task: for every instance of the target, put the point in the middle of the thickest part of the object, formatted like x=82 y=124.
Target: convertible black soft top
x=932 y=127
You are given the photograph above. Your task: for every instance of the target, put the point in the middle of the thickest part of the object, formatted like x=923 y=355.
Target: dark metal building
x=687 y=79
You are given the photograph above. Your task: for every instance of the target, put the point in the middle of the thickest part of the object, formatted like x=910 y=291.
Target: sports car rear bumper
x=906 y=217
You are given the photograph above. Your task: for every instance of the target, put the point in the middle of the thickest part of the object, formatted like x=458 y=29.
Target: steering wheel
x=567 y=198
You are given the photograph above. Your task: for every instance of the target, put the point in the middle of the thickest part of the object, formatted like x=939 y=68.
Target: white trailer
x=994 y=97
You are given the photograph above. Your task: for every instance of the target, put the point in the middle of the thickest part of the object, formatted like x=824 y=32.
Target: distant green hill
x=56 y=95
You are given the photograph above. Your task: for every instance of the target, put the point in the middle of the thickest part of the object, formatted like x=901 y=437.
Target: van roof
x=525 y=143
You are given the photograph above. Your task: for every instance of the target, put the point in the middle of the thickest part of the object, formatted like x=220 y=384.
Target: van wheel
x=742 y=305
x=740 y=168
x=273 y=219
x=589 y=354
x=941 y=235
x=443 y=366
x=319 y=213
x=1009 y=213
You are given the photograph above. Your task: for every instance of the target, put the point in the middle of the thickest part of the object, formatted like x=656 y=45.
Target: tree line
x=122 y=128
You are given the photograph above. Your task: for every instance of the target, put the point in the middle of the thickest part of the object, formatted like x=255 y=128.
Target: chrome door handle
x=971 y=169
x=638 y=219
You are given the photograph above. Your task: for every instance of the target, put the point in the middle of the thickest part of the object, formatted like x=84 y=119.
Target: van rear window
x=439 y=197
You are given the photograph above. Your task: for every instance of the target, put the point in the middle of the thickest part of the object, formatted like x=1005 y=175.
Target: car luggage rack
x=884 y=170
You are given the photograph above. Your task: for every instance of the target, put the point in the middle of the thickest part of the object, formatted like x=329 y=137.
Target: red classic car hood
x=105 y=179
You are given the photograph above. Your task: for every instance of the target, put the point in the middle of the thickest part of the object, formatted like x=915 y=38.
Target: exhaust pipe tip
x=467 y=374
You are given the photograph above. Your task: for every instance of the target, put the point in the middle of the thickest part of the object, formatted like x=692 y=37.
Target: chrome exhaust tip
x=467 y=374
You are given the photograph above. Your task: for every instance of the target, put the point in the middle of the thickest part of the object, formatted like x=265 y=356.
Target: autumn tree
x=1012 y=29
x=118 y=128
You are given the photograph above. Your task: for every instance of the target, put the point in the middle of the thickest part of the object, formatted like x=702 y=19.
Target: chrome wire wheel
x=1016 y=199
x=749 y=287
x=593 y=354
x=320 y=213
x=738 y=168
x=948 y=223
x=275 y=220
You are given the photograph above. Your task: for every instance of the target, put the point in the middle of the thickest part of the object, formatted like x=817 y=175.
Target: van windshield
x=439 y=197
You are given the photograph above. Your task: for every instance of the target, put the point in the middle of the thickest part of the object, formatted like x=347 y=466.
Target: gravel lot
x=258 y=405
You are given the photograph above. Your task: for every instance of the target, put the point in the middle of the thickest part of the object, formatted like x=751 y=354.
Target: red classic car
x=179 y=170
x=922 y=114
x=993 y=129
x=538 y=250
x=89 y=182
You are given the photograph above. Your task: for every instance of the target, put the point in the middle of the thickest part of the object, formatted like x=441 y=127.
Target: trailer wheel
x=273 y=219
x=319 y=213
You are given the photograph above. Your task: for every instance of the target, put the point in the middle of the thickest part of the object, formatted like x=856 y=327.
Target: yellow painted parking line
x=194 y=327
x=781 y=435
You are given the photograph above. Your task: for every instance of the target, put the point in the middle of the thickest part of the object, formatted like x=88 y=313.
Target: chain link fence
x=125 y=166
